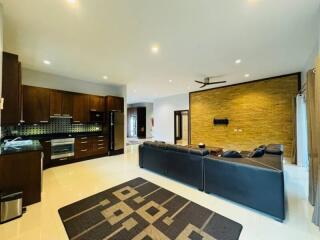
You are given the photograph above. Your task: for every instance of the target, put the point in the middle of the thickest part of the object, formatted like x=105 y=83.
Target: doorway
x=136 y=122
x=181 y=127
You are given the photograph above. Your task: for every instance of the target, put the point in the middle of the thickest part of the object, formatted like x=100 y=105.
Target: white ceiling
x=196 y=38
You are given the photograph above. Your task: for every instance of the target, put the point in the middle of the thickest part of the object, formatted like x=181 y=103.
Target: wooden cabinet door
x=36 y=104
x=55 y=103
x=80 y=108
x=22 y=171
x=11 y=89
x=67 y=104
x=114 y=103
x=96 y=103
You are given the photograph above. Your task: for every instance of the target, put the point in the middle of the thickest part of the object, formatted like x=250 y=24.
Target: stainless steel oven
x=62 y=149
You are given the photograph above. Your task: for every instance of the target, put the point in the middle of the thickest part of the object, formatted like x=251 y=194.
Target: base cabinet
x=23 y=172
x=87 y=147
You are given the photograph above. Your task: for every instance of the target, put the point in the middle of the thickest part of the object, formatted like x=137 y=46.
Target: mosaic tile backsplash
x=54 y=126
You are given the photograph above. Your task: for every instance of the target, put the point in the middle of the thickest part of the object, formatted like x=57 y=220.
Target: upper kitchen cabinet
x=36 y=104
x=97 y=103
x=11 y=89
x=114 y=103
x=80 y=108
x=61 y=104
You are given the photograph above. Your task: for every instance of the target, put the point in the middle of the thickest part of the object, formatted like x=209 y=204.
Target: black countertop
x=34 y=146
x=46 y=137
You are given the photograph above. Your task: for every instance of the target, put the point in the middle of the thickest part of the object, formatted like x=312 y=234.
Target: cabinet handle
x=100 y=136
x=84 y=150
x=84 y=142
x=101 y=148
x=101 y=144
x=94 y=110
x=84 y=138
x=56 y=114
x=100 y=140
x=22 y=121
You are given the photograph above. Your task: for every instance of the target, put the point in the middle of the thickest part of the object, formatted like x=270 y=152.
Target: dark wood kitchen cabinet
x=61 y=103
x=91 y=146
x=80 y=108
x=11 y=89
x=36 y=104
x=22 y=171
x=67 y=104
x=114 y=103
x=97 y=103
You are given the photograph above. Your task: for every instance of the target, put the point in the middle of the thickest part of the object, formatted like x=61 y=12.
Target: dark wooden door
x=67 y=104
x=141 y=122
x=55 y=103
x=36 y=104
x=11 y=89
x=80 y=108
x=96 y=103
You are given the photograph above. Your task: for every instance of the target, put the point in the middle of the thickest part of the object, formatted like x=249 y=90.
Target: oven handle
x=59 y=144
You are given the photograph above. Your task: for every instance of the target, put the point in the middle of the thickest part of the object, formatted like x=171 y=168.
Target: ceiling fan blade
x=198 y=81
x=217 y=82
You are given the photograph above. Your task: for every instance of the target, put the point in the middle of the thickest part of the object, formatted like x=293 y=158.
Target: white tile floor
x=67 y=184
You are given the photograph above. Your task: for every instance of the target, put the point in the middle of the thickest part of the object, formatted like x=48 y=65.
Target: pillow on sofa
x=231 y=154
x=263 y=147
x=274 y=149
x=258 y=152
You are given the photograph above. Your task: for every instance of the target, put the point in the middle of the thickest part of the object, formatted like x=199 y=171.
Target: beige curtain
x=316 y=164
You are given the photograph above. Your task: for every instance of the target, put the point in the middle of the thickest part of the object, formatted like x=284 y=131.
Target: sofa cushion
x=258 y=152
x=177 y=148
x=155 y=144
x=262 y=147
x=231 y=154
x=199 y=151
x=276 y=149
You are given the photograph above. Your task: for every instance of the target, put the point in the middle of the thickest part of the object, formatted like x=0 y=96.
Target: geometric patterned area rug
x=141 y=210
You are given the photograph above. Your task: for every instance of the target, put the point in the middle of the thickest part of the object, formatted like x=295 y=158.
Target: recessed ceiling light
x=105 y=77
x=247 y=75
x=47 y=62
x=72 y=1
x=155 y=49
x=238 y=61
x=170 y=81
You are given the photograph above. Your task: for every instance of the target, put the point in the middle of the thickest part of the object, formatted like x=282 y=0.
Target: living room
x=160 y=119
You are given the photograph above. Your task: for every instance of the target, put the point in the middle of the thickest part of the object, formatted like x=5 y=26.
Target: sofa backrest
x=177 y=148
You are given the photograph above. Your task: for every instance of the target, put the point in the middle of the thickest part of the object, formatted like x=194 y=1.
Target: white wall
x=46 y=80
x=163 y=111
x=149 y=116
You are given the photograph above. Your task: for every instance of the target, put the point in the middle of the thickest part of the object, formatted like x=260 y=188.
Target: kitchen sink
x=20 y=143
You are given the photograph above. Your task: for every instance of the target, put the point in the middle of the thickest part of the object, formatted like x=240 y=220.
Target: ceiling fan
x=206 y=81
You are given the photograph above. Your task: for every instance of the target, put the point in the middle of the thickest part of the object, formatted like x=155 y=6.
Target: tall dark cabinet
x=11 y=89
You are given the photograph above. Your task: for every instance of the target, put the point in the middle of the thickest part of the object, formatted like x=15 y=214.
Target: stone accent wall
x=259 y=112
